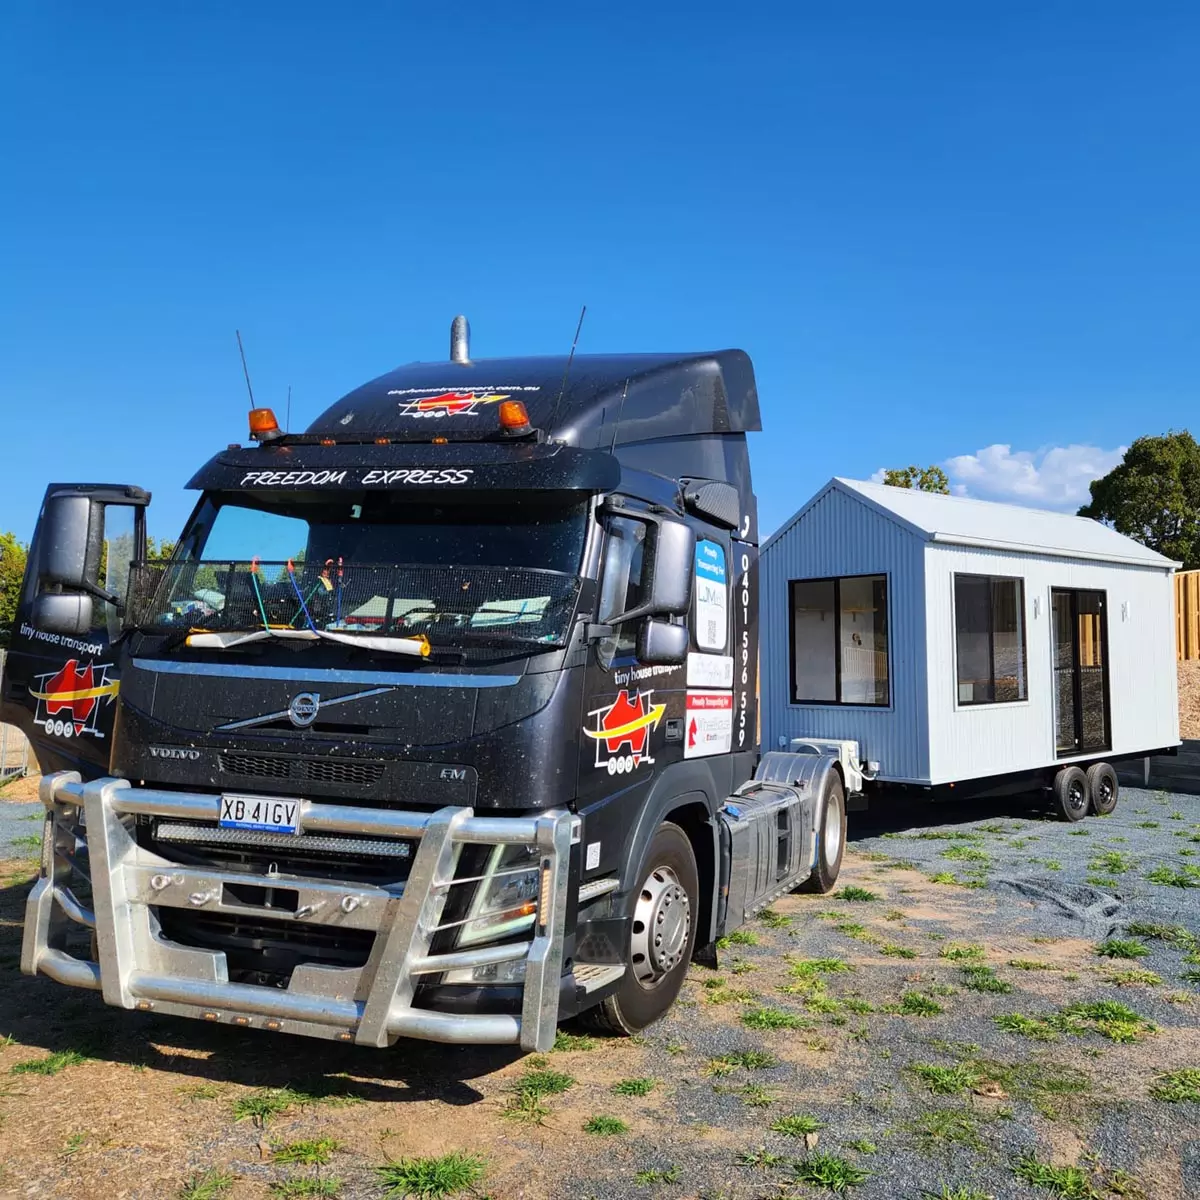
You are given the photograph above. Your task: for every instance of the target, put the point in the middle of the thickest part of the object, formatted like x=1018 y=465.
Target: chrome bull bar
x=371 y=1005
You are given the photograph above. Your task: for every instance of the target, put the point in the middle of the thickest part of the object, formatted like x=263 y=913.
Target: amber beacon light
x=263 y=426
x=513 y=416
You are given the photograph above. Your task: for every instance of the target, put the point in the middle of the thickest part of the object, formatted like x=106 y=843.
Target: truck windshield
x=373 y=564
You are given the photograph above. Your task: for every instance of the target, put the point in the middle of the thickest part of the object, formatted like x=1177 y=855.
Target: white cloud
x=1054 y=477
x=878 y=476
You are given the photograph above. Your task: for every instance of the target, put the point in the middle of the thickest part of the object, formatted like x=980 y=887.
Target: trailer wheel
x=831 y=837
x=1103 y=788
x=1071 y=793
x=663 y=918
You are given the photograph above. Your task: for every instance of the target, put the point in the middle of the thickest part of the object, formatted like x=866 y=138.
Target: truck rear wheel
x=1103 y=788
x=831 y=837
x=663 y=920
x=1071 y=794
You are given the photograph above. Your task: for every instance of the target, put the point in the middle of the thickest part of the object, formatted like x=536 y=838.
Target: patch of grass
x=863 y=1146
x=717 y=991
x=657 y=1175
x=958 y=1193
x=943 y=877
x=941 y=1128
x=749 y=1060
x=763 y=1017
x=1071 y=1183
x=854 y=893
x=796 y=1125
x=830 y=1171
x=856 y=1005
x=900 y=864
x=29 y=841
x=806 y=967
x=762 y=1157
x=774 y=920
x=1121 y=948
x=1031 y=964
x=525 y=1102
x=1192 y=976
x=1147 y=824
x=914 y=1004
x=266 y=1103
x=962 y=952
x=201 y=1091
x=634 y=1087
x=1133 y=975
x=206 y=1185
x=605 y=1126
x=1102 y=881
x=51 y=1064
x=431 y=1178
x=894 y=914
x=297 y=1189
x=568 y=1042
x=740 y=966
x=891 y=950
x=1029 y=1027
x=315 y=1152
x=754 y=1095
x=1079 y=833
x=1177 y=1087
x=967 y=854
x=984 y=979
x=1109 y=1018
x=1188 y=876
x=945 y=1081
x=739 y=937
x=1111 y=862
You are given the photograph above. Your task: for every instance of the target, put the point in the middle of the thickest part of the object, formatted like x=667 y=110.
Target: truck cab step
x=591 y=977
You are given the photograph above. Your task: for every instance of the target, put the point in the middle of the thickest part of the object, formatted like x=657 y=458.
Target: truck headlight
x=506 y=898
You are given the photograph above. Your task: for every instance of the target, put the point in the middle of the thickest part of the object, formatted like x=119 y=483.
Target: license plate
x=260 y=812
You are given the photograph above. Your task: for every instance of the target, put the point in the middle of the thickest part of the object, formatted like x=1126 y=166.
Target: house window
x=840 y=640
x=989 y=636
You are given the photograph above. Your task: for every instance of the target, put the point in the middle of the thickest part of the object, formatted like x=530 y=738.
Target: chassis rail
x=372 y=1005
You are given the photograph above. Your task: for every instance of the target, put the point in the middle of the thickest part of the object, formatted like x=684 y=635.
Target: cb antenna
x=287 y=427
x=245 y=369
x=567 y=369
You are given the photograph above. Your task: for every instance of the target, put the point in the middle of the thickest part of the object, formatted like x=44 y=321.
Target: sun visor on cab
x=409 y=467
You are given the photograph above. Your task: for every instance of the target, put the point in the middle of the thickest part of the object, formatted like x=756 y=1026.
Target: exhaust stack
x=460 y=340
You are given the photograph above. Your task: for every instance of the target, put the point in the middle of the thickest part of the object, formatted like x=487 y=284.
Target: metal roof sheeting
x=983 y=523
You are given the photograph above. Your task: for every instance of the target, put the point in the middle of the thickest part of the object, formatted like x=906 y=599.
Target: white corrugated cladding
x=973 y=741
x=838 y=535
x=921 y=541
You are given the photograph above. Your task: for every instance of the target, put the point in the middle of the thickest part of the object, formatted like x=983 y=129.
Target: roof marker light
x=513 y=416
x=263 y=426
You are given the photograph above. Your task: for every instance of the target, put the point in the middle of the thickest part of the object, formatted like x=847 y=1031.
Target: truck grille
x=251 y=765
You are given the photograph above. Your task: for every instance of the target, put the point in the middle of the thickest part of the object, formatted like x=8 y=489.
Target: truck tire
x=831 y=837
x=1071 y=794
x=1103 y=788
x=663 y=933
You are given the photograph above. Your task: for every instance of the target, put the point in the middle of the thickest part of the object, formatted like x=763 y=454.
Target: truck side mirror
x=68 y=613
x=672 y=553
x=660 y=643
x=72 y=541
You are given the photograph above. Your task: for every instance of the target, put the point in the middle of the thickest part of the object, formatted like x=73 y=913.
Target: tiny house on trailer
x=943 y=643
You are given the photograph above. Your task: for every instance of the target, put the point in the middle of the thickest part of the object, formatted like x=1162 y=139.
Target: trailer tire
x=1071 y=796
x=831 y=837
x=1103 y=788
x=662 y=914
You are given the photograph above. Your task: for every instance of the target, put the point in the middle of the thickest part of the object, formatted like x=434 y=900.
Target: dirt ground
x=1189 y=699
x=907 y=1040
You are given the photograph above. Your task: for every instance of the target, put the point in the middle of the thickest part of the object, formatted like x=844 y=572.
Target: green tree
x=12 y=571
x=160 y=551
x=1153 y=496
x=924 y=479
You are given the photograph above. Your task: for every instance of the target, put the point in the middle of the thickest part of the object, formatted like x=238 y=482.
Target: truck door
x=62 y=674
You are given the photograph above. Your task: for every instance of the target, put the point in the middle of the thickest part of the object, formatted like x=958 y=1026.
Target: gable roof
x=957 y=520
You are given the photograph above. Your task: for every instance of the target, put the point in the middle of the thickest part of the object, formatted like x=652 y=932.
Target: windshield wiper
x=233 y=639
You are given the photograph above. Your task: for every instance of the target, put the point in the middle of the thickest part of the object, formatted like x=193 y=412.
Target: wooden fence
x=1187 y=614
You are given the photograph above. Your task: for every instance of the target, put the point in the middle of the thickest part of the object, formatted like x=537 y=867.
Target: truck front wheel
x=663 y=920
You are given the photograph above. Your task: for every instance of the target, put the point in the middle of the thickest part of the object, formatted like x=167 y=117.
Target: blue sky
x=940 y=230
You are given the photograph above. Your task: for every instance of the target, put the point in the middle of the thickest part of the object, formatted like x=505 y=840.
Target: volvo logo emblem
x=302 y=710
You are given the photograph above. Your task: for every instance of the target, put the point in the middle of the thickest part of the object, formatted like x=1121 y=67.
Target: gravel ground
x=851 y=999
x=19 y=822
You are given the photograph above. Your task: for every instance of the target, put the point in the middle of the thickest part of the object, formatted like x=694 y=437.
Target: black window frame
x=836 y=580
x=1019 y=580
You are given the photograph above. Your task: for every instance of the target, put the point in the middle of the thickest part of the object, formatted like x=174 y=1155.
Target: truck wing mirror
x=67 y=613
x=667 y=569
x=72 y=539
x=660 y=643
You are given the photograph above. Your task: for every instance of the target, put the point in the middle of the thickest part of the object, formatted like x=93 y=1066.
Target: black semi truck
x=439 y=722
